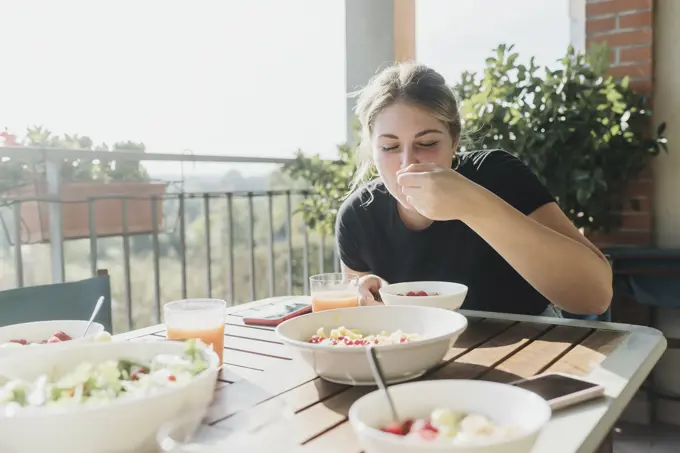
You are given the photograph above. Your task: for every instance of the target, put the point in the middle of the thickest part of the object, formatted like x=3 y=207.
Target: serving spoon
x=97 y=307
x=379 y=378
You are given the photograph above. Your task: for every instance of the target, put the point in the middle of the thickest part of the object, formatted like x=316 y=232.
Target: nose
x=408 y=157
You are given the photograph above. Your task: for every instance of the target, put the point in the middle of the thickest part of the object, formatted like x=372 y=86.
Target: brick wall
x=627 y=28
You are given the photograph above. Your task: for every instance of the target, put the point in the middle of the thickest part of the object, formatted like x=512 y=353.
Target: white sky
x=256 y=77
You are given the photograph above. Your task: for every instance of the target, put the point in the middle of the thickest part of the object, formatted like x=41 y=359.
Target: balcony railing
x=235 y=245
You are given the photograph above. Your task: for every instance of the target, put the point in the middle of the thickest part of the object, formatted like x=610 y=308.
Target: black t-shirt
x=373 y=238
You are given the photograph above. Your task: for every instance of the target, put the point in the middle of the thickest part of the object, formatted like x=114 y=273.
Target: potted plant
x=585 y=135
x=82 y=181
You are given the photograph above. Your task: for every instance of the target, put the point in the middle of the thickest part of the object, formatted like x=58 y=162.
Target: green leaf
x=625 y=82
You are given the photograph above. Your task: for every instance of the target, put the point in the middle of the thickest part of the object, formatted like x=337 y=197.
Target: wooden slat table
x=262 y=376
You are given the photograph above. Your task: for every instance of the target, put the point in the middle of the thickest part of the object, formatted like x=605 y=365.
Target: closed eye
x=429 y=144
x=388 y=148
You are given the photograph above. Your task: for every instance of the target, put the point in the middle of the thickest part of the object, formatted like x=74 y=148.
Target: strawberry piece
x=427 y=434
x=21 y=341
x=53 y=339
x=421 y=293
x=428 y=426
x=62 y=336
x=136 y=373
x=408 y=423
x=394 y=428
x=410 y=293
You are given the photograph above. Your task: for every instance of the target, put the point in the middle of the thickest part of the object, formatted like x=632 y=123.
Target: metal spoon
x=97 y=307
x=380 y=380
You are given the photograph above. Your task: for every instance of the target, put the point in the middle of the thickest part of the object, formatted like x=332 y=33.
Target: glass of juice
x=334 y=290
x=197 y=318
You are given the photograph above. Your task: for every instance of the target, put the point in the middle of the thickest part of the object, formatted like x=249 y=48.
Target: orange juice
x=213 y=337
x=327 y=300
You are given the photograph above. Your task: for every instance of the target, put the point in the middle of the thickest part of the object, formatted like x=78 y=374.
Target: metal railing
x=233 y=245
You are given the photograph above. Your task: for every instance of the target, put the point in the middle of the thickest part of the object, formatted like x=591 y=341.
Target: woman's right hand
x=368 y=290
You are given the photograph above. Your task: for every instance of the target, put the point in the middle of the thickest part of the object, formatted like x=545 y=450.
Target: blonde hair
x=412 y=83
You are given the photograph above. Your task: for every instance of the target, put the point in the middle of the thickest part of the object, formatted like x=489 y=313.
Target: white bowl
x=124 y=425
x=450 y=296
x=400 y=362
x=502 y=403
x=43 y=330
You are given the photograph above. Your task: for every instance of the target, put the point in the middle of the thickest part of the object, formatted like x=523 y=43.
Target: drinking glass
x=333 y=290
x=197 y=318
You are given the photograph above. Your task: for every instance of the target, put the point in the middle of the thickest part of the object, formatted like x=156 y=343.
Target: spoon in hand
x=379 y=378
x=97 y=307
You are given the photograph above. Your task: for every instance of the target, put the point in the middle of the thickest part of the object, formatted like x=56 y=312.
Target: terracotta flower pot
x=75 y=209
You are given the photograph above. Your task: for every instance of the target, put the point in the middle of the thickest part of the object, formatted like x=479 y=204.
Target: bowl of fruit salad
x=34 y=336
x=409 y=341
x=102 y=397
x=452 y=416
x=447 y=295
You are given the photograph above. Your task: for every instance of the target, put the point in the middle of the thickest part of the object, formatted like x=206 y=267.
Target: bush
x=584 y=134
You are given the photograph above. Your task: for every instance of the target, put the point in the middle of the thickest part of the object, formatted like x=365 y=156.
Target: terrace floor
x=658 y=438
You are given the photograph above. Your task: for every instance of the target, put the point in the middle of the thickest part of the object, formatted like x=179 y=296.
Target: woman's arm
x=547 y=250
x=369 y=285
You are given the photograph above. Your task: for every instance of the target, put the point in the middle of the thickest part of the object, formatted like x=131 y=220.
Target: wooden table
x=262 y=376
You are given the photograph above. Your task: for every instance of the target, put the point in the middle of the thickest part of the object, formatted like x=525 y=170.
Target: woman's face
x=404 y=134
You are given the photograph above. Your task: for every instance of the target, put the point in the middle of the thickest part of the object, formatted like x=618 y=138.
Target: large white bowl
x=502 y=403
x=450 y=296
x=126 y=425
x=43 y=330
x=400 y=362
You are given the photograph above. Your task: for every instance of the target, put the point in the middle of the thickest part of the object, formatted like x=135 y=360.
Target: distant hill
x=232 y=180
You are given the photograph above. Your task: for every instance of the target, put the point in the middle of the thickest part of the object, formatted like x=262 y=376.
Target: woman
x=481 y=218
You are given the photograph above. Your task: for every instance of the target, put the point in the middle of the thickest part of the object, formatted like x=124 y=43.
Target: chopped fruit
x=419 y=293
x=428 y=427
x=134 y=375
x=56 y=337
x=172 y=378
x=395 y=428
x=427 y=434
x=447 y=424
x=62 y=336
x=346 y=337
x=103 y=337
x=408 y=423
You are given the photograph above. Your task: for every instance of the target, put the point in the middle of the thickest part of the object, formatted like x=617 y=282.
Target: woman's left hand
x=437 y=192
